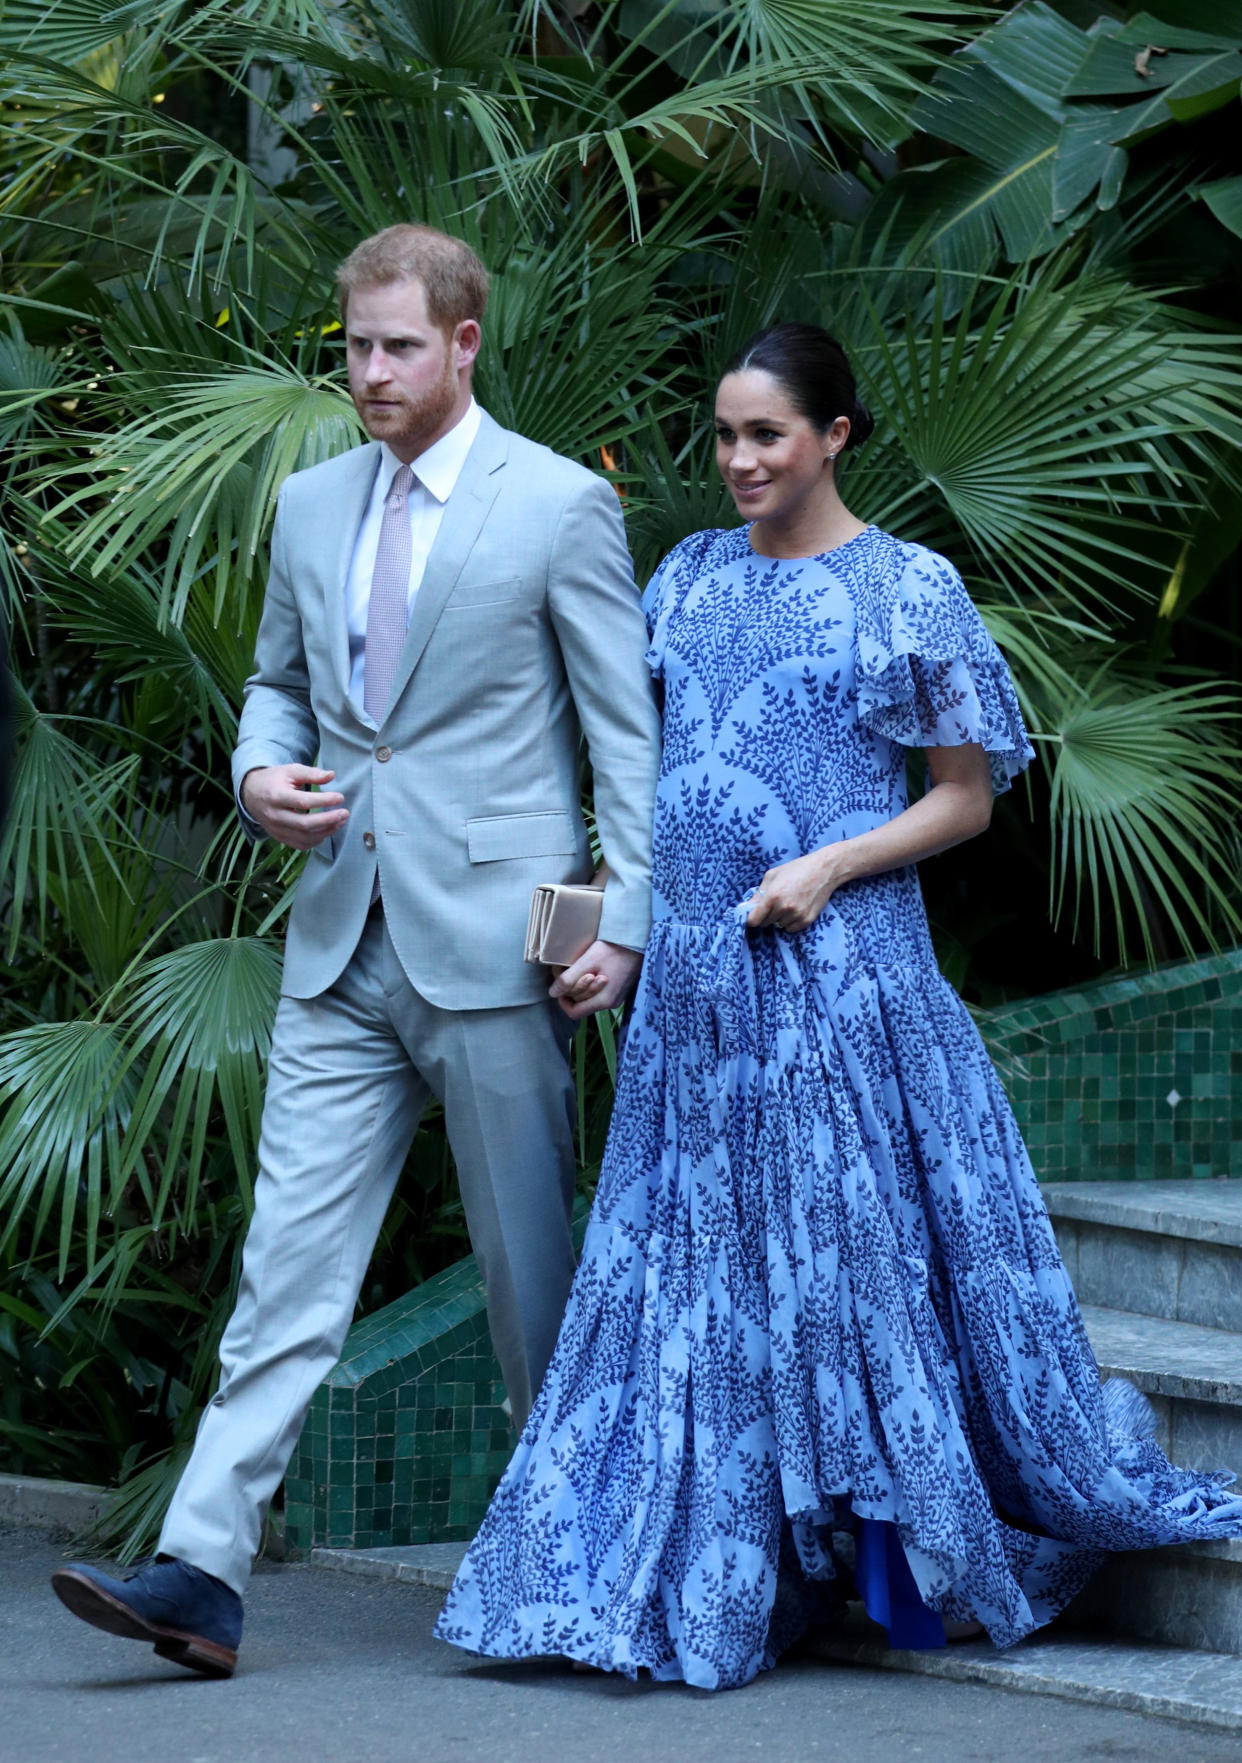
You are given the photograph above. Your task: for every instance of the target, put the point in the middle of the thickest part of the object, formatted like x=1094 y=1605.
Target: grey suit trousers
x=351 y=1071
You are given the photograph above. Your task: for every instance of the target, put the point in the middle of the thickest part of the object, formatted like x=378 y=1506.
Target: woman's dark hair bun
x=815 y=372
x=861 y=424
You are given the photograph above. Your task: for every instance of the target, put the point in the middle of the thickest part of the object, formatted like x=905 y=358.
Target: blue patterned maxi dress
x=819 y=1291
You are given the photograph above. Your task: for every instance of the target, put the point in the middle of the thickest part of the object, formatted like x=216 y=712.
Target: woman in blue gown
x=819 y=1298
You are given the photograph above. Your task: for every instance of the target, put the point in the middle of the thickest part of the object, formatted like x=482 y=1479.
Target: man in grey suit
x=448 y=608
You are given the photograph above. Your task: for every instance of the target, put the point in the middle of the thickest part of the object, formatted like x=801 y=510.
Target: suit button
x=368 y=840
x=383 y=754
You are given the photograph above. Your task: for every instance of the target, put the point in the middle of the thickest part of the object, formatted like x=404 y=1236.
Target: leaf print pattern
x=820 y=1305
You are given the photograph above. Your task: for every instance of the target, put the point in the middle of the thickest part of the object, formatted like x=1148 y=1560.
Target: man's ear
x=467 y=340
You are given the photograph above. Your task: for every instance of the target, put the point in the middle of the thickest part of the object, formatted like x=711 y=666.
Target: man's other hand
x=291 y=805
x=598 y=980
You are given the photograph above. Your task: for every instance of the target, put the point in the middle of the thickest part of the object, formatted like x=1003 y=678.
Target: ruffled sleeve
x=666 y=590
x=929 y=674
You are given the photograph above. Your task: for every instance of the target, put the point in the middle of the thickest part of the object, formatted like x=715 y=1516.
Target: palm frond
x=112 y=917
x=116 y=133
x=121 y=613
x=1039 y=646
x=201 y=1016
x=443 y=34
x=28 y=374
x=66 y=1100
x=1144 y=797
x=1041 y=424
x=217 y=450
x=671 y=495
x=131 y=1519
x=733 y=105
x=882 y=55
x=578 y=342
x=72 y=31
x=63 y=813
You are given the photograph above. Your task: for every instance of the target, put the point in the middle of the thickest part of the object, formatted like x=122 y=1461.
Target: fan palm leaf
x=1039 y=425
x=88 y=1102
x=214 y=186
x=201 y=1017
x=1144 y=800
x=881 y=55
x=72 y=31
x=197 y=672
x=578 y=346
x=67 y=1097
x=122 y=1278
x=111 y=914
x=179 y=466
x=63 y=813
x=27 y=375
x=132 y=1516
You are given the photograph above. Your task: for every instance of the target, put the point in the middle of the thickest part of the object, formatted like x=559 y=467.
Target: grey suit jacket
x=526 y=631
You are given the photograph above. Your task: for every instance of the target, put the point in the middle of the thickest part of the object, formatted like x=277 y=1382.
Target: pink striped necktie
x=388 y=610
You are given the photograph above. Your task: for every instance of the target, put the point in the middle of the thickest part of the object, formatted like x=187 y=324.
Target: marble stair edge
x=1166 y=1249
x=1156 y=1628
x=1158 y=1271
x=1198 y=1687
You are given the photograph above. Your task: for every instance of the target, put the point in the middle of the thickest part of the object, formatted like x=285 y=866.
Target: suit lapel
x=464 y=516
x=347 y=510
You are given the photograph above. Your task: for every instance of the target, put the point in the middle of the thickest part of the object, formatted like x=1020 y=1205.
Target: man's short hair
x=453 y=278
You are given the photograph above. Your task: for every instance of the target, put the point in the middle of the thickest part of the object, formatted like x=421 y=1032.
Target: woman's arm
x=956 y=807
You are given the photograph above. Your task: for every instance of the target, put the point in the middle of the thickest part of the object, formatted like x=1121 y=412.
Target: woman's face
x=770 y=456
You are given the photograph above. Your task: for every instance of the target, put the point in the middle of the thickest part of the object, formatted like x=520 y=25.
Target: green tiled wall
x=406 y=1439
x=1091 y=1074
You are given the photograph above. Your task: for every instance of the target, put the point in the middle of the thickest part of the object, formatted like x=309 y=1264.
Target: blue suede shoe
x=188 y=1616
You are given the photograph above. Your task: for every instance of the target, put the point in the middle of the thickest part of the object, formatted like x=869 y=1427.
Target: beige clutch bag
x=564 y=920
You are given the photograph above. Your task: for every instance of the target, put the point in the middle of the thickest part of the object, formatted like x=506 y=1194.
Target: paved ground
x=337 y=1669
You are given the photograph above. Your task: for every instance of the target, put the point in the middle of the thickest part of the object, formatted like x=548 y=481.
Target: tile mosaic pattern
x=407 y=1438
x=1137 y=1078
x=405 y=1441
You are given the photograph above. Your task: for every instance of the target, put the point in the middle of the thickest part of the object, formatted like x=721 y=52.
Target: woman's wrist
x=834 y=865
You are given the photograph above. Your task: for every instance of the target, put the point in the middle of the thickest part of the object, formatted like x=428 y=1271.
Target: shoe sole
x=98 y=1607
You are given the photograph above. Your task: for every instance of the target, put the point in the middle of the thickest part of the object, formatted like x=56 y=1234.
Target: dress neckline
x=810 y=556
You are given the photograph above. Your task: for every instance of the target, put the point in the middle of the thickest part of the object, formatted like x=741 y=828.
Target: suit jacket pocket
x=520 y=835
x=469 y=594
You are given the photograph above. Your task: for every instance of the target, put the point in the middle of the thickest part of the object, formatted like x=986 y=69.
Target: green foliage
x=1045 y=112
x=1022 y=228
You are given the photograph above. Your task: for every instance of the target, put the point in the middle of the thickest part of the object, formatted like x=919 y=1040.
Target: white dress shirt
x=435 y=473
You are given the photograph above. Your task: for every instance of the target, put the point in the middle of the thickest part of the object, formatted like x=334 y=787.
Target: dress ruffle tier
x=819 y=1295
x=747 y=1358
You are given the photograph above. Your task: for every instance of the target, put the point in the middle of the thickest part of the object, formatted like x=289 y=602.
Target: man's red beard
x=412 y=421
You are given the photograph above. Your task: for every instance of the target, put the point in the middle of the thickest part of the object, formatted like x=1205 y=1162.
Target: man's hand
x=598 y=980
x=288 y=806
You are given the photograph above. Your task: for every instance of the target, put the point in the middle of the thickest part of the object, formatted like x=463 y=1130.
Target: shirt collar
x=440 y=466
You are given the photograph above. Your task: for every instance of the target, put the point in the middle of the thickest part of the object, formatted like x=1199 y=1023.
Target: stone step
x=1171 y=1249
x=1189 y=1596
x=1192 y=1376
x=1201 y=1688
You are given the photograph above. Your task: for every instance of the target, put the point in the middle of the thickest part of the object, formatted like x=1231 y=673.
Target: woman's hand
x=957 y=806
x=793 y=895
